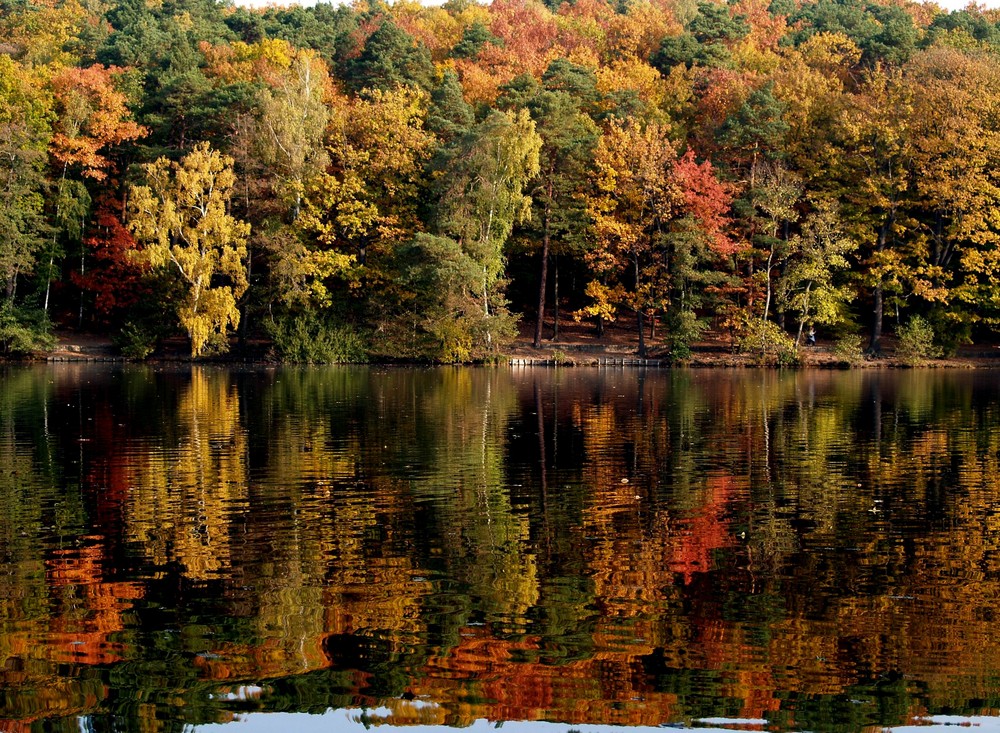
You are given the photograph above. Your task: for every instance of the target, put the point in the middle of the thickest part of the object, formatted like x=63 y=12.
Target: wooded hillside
x=400 y=181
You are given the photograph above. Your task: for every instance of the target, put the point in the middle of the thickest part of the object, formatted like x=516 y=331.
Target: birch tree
x=182 y=219
x=484 y=194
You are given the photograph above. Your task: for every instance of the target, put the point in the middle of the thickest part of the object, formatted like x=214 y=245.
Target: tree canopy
x=422 y=178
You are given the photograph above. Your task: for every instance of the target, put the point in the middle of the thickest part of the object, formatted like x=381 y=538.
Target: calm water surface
x=328 y=549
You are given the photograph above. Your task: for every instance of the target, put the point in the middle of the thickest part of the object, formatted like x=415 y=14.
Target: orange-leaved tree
x=92 y=117
x=656 y=217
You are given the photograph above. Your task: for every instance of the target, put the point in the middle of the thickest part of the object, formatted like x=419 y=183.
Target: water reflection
x=356 y=720
x=816 y=550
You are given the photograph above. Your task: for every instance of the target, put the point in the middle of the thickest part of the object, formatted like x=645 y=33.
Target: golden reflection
x=621 y=548
x=184 y=496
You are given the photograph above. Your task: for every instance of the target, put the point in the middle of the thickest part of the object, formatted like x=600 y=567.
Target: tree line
x=399 y=181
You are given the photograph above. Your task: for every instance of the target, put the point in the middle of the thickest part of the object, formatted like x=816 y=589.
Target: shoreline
x=88 y=348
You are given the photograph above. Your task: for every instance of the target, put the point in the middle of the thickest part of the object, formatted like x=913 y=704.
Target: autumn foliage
x=697 y=148
x=115 y=279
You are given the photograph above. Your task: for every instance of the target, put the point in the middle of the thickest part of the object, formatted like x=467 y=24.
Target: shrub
x=767 y=342
x=916 y=342
x=136 y=340
x=684 y=328
x=217 y=344
x=308 y=338
x=951 y=330
x=451 y=340
x=23 y=331
x=850 y=350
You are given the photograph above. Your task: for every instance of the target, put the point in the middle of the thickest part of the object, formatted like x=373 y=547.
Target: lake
x=183 y=548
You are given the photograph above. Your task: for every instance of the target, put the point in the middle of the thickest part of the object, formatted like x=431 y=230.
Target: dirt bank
x=577 y=344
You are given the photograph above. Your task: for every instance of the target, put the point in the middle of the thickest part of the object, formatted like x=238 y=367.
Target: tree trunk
x=48 y=281
x=805 y=314
x=541 y=295
x=555 y=301
x=55 y=233
x=878 y=305
x=767 y=299
x=640 y=321
x=543 y=276
x=639 y=313
x=877 y=310
x=244 y=307
x=83 y=263
x=83 y=271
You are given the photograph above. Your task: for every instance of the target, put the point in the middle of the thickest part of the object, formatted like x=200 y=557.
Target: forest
x=393 y=181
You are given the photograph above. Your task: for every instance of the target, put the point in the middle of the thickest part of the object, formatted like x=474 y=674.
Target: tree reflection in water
x=816 y=550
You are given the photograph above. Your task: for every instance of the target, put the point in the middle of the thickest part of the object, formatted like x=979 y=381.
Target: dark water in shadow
x=799 y=551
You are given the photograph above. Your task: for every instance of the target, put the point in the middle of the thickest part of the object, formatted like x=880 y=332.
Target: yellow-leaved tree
x=181 y=217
